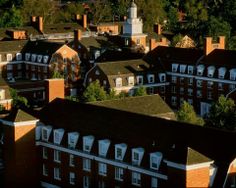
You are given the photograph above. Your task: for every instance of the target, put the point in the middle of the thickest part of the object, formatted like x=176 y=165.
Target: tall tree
x=187 y=114
x=222 y=114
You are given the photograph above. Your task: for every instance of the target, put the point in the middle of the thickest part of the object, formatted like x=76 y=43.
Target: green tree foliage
x=187 y=114
x=232 y=43
x=222 y=114
x=177 y=38
x=18 y=101
x=173 y=24
x=57 y=74
x=11 y=18
x=141 y=91
x=94 y=92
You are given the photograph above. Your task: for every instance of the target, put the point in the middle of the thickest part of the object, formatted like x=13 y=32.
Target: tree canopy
x=18 y=101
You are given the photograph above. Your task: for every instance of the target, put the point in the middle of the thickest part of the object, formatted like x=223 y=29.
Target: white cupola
x=133 y=10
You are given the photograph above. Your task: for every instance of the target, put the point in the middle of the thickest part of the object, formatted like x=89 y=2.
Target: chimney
x=157 y=29
x=85 y=21
x=40 y=24
x=210 y=45
x=154 y=43
x=77 y=17
x=55 y=88
x=33 y=20
x=77 y=38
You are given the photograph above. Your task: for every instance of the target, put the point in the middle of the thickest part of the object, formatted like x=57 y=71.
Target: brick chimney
x=55 y=88
x=154 y=43
x=40 y=24
x=77 y=38
x=84 y=21
x=210 y=45
x=157 y=29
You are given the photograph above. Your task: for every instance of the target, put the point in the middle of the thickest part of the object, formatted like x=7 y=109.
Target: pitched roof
x=152 y=105
x=194 y=157
x=61 y=28
x=220 y=57
x=12 y=46
x=124 y=67
x=18 y=115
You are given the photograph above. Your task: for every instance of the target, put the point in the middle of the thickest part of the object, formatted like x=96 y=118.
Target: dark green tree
x=141 y=91
x=18 y=101
x=187 y=114
x=94 y=92
x=222 y=114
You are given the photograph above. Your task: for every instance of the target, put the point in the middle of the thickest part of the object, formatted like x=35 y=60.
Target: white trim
x=188 y=167
x=26 y=62
x=48 y=185
x=146 y=85
x=18 y=124
x=102 y=160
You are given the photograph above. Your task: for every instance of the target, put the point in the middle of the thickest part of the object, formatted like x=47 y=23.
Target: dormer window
x=210 y=71
x=97 y=72
x=175 y=67
x=33 y=57
x=120 y=150
x=155 y=160
x=232 y=74
x=45 y=59
x=199 y=83
x=150 y=78
x=27 y=56
x=46 y=131
x=221 y=72
x=200 y=69
x=57 y=135
x=139 y=80
x=137 y=155
x=73 y=139
x=131 y=80
x=87 y=143
x=18 y=56
x=118 y=82
x=103 y=146
x=9 y=57
x=162 y=77
x=190 y=69
x=39 y=58
x=182 y=68
x=97 y=54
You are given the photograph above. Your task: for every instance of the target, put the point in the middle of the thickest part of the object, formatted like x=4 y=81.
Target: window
x=190 y=101
x=103 y=146
x=173 y=79
x=162 y=89
x=190 y=92
x=9 y=57
x=210 y=84
x=174 y=67
x=137 y=155
x=126 y=42
x=118 y=82
x=45 y=59
x=86 y=164
x=181 y=80
x=199 y=93
x=150 y=78
x=136 y=178
x=181 y=91
x=86 y=182
x=131 y=81
x=181 y=100
x=18 y=56
x=46 y=132
x=27 y=56
x=220 y=86
x=57 y=174
x=190 y=81
x=120 y=150
x=72 y=139
x=119 y=172
x=72 y=160
x=210 y=71
x=221 y=72
x=45 y=69
x=154 y=183
x=45 y=170
x=182 y=68
x=72 y=178
x=33 y=57
x=39 y=58
x=151 y=90
x=200 y=69
x=87 y=143
x=97 y=72
x=45 y=152
x=199 y=83
x=139 y=80
x=57 y=156
x=209 y=95
x=162 y=77
x=190 y=69
x=33 y=67
x=101 y=184
x=104 y=82
x=102 y=169
x=173 y=89
x=173 y=101
x=57 y=135
x=155 y=160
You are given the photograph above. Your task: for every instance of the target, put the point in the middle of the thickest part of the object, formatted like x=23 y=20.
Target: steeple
x=133 y=10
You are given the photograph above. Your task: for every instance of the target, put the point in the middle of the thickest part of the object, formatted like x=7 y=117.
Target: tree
x=11 y=18
x=141 y=91
x=187 y=114
x=57 y=74
x=172 y=15
x=18 y=101
x=222 y=114
x=94 y=92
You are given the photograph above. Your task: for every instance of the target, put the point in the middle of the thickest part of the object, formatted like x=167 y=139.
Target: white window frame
x=88 y=143
x=199 y=83
x=18 y=56
x=154 y=182
x=136 y=179
x=131 y=81
x=122 y=150
x=190 y=70
x=139 y=80
x=221 y=72
x=118 y=82
x=72 y=178
x=86 y=164
x=45 y=152
x=33 y=57
x=137 y=155
x=162 y=77
x=57 y=174
x=39 y=58
x=72 y=160
x=119 y=174
x=155 y=160
x=45 y=59
x=45 y=170
x=182 y=68
x=58 y=135
x=174 y=100
x=175 y=67
x=27 y=56
x=57 y=156
x=86 y=182
x=200 y=70
x=103 y=146
x=73 y=138
x=210 y=71
x=173 y=79
x=151 y=78
x=102 y=169
x=9 y=57
x=190 y=92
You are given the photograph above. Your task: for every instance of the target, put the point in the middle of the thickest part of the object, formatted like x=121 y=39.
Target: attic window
x=87 y=143
x=137 y=155
x=190 y=69
x=174 y=67
x=221 y=72
x=233 y=74
x=46 y=133
x=72 y=139
x=182 y=68
x=200 y=69
x=155 y=160
x=210 y=71
x=103 y=146
x=120 y=150
x=57 y=136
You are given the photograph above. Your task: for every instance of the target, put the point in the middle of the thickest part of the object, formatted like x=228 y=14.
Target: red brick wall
x=54 y=89
x=198 y=177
